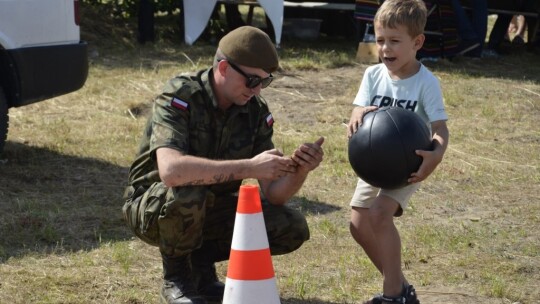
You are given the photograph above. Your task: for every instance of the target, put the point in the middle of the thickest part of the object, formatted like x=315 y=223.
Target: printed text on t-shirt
x=386 y=101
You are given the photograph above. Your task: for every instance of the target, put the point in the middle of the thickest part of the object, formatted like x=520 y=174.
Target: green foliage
x=129 y=8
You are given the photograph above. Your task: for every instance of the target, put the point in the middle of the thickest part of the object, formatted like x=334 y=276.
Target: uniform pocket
x=141 y=213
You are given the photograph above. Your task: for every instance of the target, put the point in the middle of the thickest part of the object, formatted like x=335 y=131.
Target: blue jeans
x=474 y=29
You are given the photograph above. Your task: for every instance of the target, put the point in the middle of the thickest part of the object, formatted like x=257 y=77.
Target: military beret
x=250 y=46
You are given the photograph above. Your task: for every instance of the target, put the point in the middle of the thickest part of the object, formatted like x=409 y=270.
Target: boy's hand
x=430 y=161
x=357 y=117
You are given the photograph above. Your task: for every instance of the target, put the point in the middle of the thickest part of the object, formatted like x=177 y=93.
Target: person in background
x=209 y=131
x=500 y=28
x=472 y=31
x=516 y=29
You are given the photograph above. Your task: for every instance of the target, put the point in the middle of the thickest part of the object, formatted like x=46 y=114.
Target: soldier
x=208 y=132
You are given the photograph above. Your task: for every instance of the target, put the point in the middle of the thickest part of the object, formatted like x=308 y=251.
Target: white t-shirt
x=420 y=93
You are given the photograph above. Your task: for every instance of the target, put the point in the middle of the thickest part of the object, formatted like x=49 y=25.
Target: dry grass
x=470 y=235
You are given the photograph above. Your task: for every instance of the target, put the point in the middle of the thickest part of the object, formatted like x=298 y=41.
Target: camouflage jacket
x=185 y=117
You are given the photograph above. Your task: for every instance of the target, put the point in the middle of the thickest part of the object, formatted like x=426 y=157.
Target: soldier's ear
x=222 y=67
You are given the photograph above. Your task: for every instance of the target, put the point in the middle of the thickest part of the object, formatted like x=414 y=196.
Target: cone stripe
x=249 y=292
x=247 y=202
x=250 y=265
x=254 y=236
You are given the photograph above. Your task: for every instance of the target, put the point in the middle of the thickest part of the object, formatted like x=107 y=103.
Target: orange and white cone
x=250 y=276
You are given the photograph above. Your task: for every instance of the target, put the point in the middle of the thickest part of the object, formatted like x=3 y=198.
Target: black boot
x=204 y=271
x=178 y=287
x=207 y=283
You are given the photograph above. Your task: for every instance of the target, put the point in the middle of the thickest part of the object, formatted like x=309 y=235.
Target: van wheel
x=4 y=120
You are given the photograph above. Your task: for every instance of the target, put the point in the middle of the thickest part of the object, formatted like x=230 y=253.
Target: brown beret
x=250 y=46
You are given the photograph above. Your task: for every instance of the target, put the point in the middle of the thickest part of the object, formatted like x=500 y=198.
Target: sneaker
x=408 y=296
x=490 y=53
x=465 y=47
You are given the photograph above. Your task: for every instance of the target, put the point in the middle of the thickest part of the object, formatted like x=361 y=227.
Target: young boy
x=400 y=80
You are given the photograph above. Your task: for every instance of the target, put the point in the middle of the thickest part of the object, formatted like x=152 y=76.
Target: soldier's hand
x=308 y=156
x=272 y=165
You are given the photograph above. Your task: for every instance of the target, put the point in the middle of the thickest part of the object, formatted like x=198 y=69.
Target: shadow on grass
x=50 y=202
x=309 y=207
x=54 y=203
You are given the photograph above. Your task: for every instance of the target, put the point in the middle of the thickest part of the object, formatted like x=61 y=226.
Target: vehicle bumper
x=39 y=73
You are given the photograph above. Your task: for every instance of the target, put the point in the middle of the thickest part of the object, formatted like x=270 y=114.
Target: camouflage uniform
x=182 y=219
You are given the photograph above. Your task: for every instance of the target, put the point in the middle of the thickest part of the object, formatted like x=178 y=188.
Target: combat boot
x=207 y=283
x=178 y=287
x=204 y=271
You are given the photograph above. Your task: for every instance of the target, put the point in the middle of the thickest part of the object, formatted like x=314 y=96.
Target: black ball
x=382 y=151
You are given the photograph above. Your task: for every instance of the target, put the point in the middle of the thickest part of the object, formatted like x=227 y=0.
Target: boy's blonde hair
x=409 y=13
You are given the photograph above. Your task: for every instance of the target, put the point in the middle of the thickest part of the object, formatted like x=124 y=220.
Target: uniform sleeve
x=170 y=121
x=265 y=131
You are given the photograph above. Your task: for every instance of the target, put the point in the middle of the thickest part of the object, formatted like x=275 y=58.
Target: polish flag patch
x=179 y=104
x=269 y=120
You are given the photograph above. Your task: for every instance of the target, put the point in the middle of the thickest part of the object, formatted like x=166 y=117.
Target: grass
x=469 y=236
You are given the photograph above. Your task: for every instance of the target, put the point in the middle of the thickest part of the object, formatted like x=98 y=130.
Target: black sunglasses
x=252 y=81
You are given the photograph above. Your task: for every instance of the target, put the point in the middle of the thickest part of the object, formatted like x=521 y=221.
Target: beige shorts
x=365 y=195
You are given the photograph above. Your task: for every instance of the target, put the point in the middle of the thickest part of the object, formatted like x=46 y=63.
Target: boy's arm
x=431 y=159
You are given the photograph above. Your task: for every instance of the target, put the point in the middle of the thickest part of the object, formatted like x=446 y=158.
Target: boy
x=400 y=80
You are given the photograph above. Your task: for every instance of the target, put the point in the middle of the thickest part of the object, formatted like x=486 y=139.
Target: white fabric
x=197 y=14
x=420 y=93
x=274 y=10
x=249 y=292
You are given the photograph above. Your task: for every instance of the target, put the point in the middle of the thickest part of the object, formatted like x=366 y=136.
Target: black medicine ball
x=382 y=151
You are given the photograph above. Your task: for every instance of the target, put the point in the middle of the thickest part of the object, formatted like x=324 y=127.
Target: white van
x=41 y=54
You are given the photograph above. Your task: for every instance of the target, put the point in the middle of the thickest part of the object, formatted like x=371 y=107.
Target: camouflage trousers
x=182 y=220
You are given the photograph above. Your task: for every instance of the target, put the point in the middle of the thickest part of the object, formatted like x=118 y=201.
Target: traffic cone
x=250 y=276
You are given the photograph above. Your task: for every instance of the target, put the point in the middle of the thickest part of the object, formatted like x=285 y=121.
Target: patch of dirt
x=292 y=93
x=445 y=295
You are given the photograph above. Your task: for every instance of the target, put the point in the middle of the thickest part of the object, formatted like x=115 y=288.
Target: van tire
x=4 y=120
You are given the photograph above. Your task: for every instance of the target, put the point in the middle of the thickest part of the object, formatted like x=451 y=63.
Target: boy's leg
x=362 y=233
x=373 y=228
x=381 y=216
x=360 y=226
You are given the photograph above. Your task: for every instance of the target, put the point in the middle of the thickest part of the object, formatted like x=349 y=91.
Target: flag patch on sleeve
x=269 y=120
x=179 y=104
